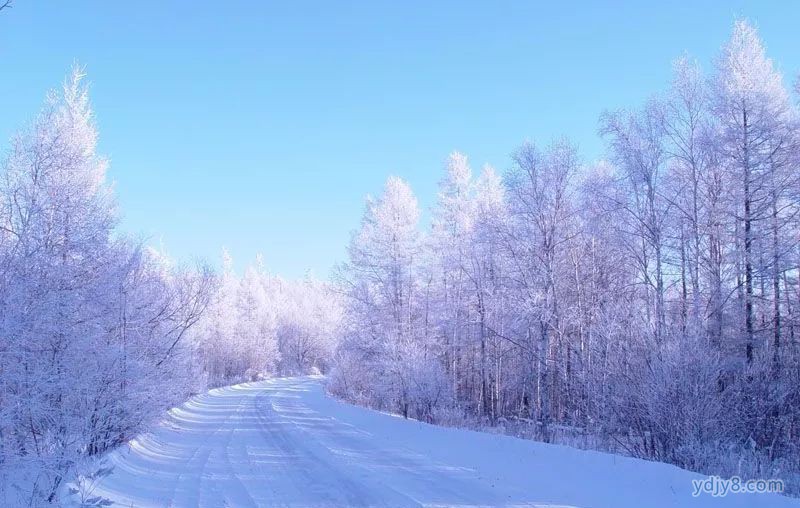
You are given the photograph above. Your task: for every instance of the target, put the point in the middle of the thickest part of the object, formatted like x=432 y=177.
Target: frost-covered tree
x=464 y=265
x=638 y=148
x=216 y=352
x=386 y=357
x=309 y=319
x=756 y=139
x=485 y=273
x=90 y=324
x=541 y=227
x=256 y=324
x=757 y=142
x=57 y=218
x=448 y=245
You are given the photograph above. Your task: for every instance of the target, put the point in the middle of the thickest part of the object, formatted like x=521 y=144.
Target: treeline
x=649 y=301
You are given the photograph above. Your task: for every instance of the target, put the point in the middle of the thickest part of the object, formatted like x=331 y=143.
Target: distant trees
x=259 y=325
x=308 y=323
x=649 y=301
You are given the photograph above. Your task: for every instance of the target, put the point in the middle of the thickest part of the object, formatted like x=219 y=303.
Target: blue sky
x=261 y=126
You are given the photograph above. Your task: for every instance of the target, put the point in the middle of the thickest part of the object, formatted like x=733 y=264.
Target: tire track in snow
x=192 y=477
x=236 y=493
x=311 y=468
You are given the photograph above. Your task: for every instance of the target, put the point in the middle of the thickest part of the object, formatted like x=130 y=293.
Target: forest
x=646 y=304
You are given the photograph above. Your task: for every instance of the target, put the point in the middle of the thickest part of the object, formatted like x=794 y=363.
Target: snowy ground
x=283 y=442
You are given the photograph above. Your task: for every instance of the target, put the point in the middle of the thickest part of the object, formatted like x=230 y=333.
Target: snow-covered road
x=283 y=442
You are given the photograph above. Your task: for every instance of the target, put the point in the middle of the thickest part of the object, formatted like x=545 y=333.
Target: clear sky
x=262 y=126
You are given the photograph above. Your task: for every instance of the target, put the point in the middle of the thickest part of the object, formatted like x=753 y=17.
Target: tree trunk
x=748 y=245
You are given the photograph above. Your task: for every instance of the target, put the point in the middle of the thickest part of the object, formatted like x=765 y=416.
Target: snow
x=284 y=442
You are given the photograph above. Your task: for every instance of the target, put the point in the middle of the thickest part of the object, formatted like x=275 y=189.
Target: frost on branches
x=90 y=322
